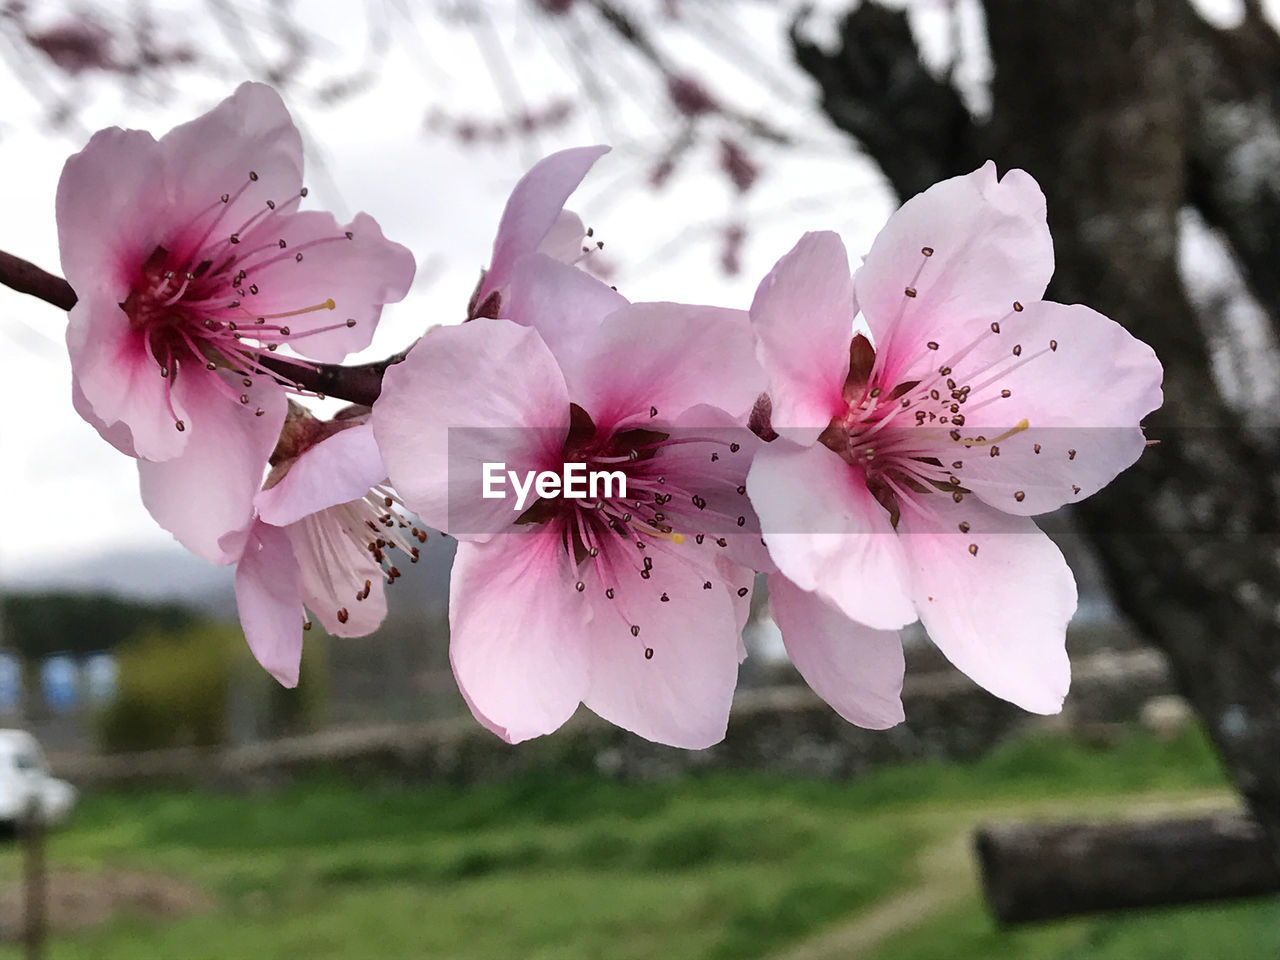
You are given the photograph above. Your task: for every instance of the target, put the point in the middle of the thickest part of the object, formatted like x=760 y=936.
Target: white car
x=25 y=781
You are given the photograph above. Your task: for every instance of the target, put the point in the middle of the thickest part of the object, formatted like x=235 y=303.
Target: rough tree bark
x=1121 y=109
x=1034 y=871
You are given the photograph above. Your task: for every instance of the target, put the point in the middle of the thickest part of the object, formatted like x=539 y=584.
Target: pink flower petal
x=207 y=492
x=333 y=570
x=269 y=598
x=665 y=357
x=1082 y=399
x=120 y=381
x=995 y=598
x=518 y=633
x=117 y=434
x=827 y=533
x=990 y=246
x=739 y=582
x=487 y=391
x=564 y=241
x=854 y=668
x=679 y=695
x=109 y=224
x=214 y=154
x=338 y=469
x=359 y=274
x=564 y=304
x=803 y=316
x=534 y=210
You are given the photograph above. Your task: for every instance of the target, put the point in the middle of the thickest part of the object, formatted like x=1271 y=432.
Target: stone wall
x=782 y=728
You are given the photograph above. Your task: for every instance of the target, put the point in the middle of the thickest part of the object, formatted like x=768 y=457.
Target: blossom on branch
x=535 y=221
x=327 y=523
x=911 y=458
x=191 y=263
x=632 y=603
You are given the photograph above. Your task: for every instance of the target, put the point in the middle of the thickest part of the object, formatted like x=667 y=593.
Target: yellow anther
x=1017 y=428
x=676 y=538
x=327 y=305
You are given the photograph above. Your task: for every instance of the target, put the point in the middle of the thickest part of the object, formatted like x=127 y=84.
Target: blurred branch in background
x=675 y=87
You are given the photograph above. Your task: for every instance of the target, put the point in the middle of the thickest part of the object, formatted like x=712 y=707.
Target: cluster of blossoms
x=874 y=442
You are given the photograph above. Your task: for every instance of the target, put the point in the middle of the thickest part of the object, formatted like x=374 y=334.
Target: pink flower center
x=376 y=524
x=909 y=437
x=192 y=305
x=673 y=492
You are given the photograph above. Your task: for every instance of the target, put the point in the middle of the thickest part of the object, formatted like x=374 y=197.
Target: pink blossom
x=327 y=523
x=632 y=606
x=535 y=221
x=191 y=262
x=911 y=460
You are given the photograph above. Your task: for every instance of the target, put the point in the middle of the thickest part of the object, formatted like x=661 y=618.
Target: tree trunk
x=1045 y=871
x=1098 y=100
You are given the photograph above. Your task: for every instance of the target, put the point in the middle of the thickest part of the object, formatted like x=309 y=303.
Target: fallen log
x=1038 y=871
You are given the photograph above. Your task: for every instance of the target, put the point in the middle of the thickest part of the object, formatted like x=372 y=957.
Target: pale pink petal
x=339 y=468
x=487 y=391
x=518 y=633
x=112 y=210
x=534 y=209
x=656 y=360
x=117 y=434
x=358 y=273
x=206 y=494
x=250 y=132
x=563 y=241
x=564 y=304
x=120 y=380
x=334 y=570
x=995 y=598
x=1082 y=401
x=680 y=694
x=854 y=668
x=269 y=598
x=990 y=246
x=827 y=533
x=803 y=318
x=740 y=582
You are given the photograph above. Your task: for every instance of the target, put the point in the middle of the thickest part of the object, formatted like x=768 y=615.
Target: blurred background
x=365 y=814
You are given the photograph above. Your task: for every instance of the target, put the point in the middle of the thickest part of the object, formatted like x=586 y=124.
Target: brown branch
x=875 y=87
x=632 y=33
x=1033 y=871
x=29 y=279
x=356 y=384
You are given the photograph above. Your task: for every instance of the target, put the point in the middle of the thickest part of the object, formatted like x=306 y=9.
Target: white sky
x=66 y=494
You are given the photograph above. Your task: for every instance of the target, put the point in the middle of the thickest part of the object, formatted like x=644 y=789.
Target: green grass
x=717 y=867
x=1236 y=931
